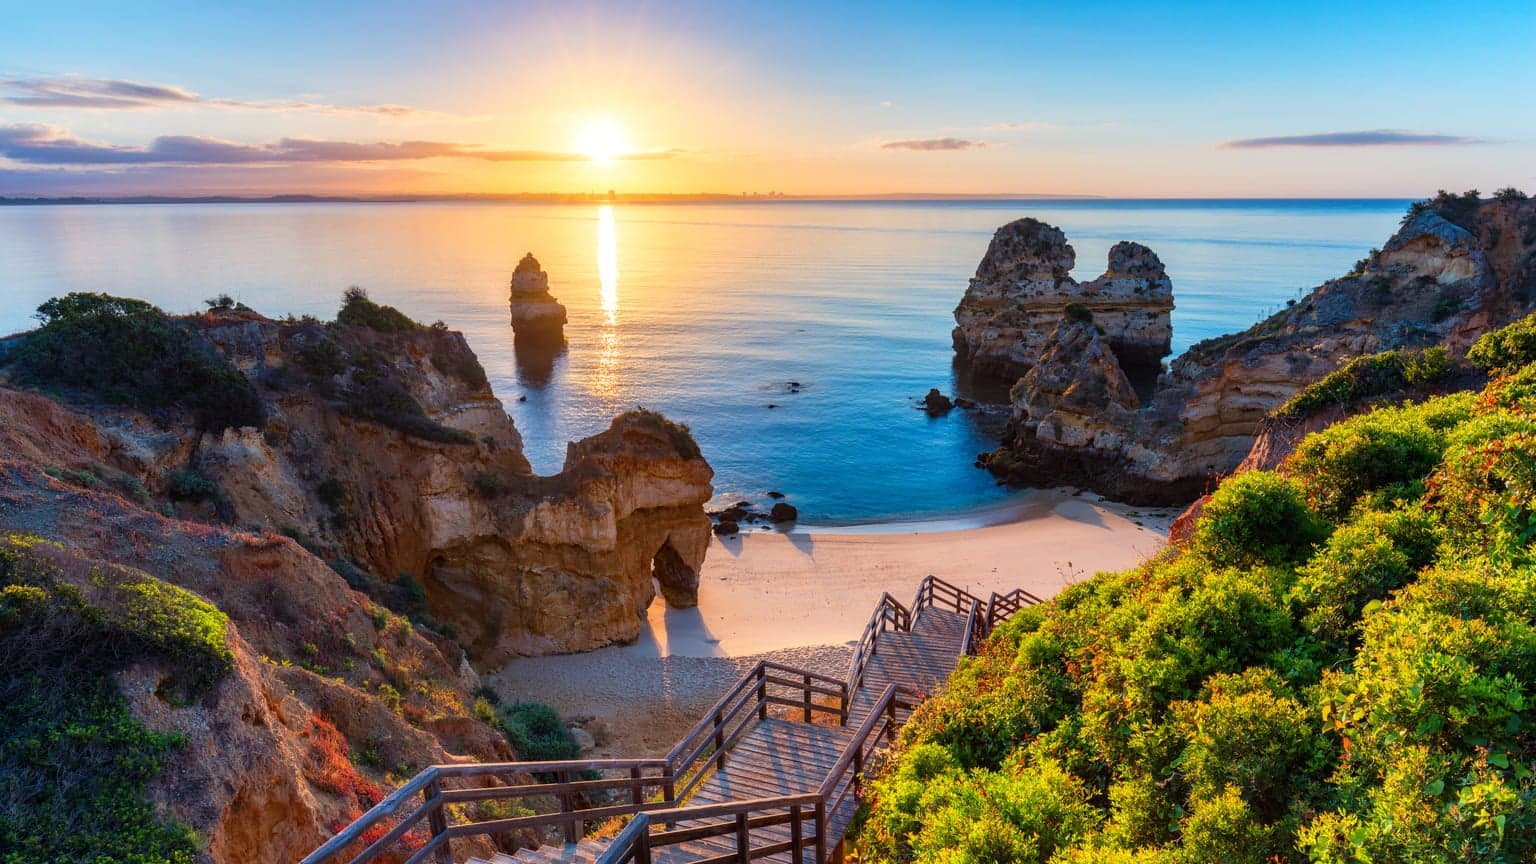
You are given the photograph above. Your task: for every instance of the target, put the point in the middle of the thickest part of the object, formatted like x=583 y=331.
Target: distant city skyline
x=1179 y=99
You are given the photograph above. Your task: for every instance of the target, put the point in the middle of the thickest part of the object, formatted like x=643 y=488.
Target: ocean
x=706 y=312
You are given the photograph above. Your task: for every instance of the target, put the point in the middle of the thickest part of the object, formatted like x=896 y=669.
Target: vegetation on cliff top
x=679 y=433
x=129 y=352
x=1336 y=667
x=74 y=762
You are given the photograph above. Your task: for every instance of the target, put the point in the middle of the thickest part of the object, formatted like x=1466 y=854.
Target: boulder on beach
x=783 y=512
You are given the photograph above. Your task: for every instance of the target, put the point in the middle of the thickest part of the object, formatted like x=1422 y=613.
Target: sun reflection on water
x=608 y=262
x=605 y=382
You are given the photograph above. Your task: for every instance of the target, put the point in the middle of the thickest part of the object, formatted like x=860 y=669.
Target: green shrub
x=1363 y=562
x=1506 y=349
x=128 y=352
x=1270 y=691
x=1079 y=313
x=680 y=435
x=359 y=311
x=1389 y=447
x=536 y=733
x=188 y=485
x=74 y=762
x=1370 y=377
x=1258 y=517
x=323 y=358
x=374 y=392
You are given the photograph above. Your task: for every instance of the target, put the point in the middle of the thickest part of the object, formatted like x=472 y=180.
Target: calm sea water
x=705 y=312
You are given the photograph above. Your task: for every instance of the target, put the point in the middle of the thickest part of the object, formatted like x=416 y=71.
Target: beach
x=803 y=597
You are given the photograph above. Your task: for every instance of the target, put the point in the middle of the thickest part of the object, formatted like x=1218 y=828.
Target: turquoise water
x=705 y=312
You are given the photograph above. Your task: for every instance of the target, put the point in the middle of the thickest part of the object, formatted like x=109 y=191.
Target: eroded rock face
x=1435 y=282
x=537 y=317
x=513 y=562
x=1022 y=288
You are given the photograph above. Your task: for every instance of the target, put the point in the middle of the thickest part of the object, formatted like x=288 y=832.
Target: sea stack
x=1022 y=288
x=537 y=317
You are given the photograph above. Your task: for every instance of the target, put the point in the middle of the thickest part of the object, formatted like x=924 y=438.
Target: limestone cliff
x=1455 y=269
x=387 y=452
x=1022 y=288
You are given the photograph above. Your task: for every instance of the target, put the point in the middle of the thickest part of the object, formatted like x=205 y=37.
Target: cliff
x=340 y=516
x=1457 y=268
x=383 y=448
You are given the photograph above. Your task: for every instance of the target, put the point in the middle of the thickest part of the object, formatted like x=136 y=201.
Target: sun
x=601 y=140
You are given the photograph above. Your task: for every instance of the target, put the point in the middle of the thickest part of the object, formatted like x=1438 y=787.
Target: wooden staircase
x=773 y=772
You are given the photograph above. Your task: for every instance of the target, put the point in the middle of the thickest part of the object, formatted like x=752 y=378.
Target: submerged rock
x=537 y=317
x=936 y=403
x=783 y=512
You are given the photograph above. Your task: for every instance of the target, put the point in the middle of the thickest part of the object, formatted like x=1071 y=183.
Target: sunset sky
x=1178 y=99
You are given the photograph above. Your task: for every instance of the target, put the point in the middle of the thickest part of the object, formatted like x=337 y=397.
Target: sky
x=1296 y=99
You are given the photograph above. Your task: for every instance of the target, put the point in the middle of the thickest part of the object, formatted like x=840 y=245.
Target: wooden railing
x=1000 y=607
x=889 y=614
x=655 y=791
x=622 y=787
x=708 y=742
x=808 y=815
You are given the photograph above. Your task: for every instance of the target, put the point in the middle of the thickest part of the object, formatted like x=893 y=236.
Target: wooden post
x=637 y=790
x=437 y=822
x=719 y=743
x=643 y=845
x=568 y=805
x=796 y=852
x=858 y=769
x=762 y=694
x=743 y=839
x=807 y=697
x=821 y=832
x=842 y=710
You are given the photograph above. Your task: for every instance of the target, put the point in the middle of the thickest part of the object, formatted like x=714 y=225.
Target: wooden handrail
x=684 y=767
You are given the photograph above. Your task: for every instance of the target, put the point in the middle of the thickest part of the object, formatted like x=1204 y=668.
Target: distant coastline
x=605 y=198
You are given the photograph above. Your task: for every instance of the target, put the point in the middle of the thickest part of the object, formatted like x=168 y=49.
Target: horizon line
x=641 y=197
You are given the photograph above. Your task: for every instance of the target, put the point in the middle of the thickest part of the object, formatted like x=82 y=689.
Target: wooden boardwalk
x=755 y=780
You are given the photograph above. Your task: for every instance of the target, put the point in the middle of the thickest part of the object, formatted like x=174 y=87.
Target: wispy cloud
x=69 y=91
x=1010 y=126
x=931 y=144
x=1364 y=138
x=40 y=144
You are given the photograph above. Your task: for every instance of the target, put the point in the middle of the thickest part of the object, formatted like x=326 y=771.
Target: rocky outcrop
x=1022 y=288
x=264 y=771
x=388 y=453
x=1435 y=282
x=537 y=317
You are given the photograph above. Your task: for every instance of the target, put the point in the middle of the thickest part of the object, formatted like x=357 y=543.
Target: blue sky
x=1089 y=98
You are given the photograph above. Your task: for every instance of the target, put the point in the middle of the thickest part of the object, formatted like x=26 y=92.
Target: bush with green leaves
x=1374 y=375
x=1258 y=517
x=74 y=762
x=128 y=352
x=1506 y=349
x=359 y=311
x=1273 y=689
x=1391 y=451
x=536 y=732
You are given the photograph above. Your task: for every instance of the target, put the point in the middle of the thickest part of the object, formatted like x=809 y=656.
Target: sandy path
x=803 y=597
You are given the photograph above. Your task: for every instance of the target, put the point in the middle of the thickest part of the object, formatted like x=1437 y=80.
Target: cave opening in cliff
x=676 y=581
x=1141 y=370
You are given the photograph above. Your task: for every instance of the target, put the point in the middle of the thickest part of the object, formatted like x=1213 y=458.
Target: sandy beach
x=803 y=597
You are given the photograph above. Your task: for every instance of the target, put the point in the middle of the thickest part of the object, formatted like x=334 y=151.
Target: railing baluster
x=743 y=839
x=636 y=793
x=821 y=831
x=568 y=805
x=807 y=697
x=719 y=743
x=796 y=842
x=437 y=822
